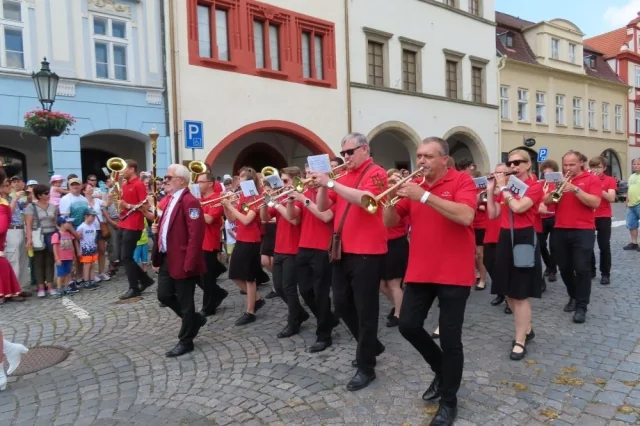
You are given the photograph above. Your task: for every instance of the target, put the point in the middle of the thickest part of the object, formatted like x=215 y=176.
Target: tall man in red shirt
x=574 y=232
x=441 y=264
x=356 y=275
x=133 y=193
x=213 y=293
x=603 y=214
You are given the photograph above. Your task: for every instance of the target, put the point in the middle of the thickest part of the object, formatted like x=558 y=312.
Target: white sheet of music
x=481 y=182
x=319 y=163
x=555 y=177
x=516 y=186
x=274 y=181
x=249 y=188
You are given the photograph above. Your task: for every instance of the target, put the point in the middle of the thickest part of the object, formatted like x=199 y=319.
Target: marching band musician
x=518 y=227
x=547 y=213
x=574 y=233
x=178 y=257
x=603 y=215
x=479 y=228
x=245 y=268
x=314 y=270
x=441 y=265
x=133 y=193
x=285 y=279
x=359 y=245
x=213 y=293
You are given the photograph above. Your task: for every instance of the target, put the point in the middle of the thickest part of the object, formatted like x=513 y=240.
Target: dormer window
x=506 y=38
x=590 y=61
x=509 y=39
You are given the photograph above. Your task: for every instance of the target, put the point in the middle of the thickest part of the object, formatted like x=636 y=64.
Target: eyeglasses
x=516 y=162
x=204 y=181
x=168 y=178
x=350 y=152
x=286 y=180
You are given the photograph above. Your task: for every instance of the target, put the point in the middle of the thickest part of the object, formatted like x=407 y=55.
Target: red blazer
x=185 y=234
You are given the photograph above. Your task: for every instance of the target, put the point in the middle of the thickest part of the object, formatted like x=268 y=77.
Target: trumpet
x=370 y=204
x=483 y=195
x=332 y=173
x=219 y=200
x=395 y=199
x=556 y=195
x=246 y=207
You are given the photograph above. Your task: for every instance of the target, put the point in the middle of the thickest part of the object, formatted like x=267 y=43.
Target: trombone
x=299 y=184
x=370 y=204
x=556 y=195
x=332 y=173
x=219 y=200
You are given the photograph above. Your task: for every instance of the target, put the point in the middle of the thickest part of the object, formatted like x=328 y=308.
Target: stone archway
x=97 y=147
x=24 y=153
x=464 y=143
x=393 y=145
x=614 y=168
x=258 y=156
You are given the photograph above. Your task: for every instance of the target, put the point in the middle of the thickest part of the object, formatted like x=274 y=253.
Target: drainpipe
x=347 y=50
x=502 y=62
x=174 y=82
x=163 y=35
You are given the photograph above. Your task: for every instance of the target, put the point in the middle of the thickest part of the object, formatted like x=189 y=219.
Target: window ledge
x=507 y=120
x=620 y=132
x=316 y=82
x=606 y=131
x=578 y=127
x=272 y=73
x=592 y=129
x=542 y=124
x=217 y=63
x=113 y=81
x=524 y=122
x=561 y=125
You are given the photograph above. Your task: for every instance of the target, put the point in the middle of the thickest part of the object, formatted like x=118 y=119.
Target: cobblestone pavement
x=117 y=374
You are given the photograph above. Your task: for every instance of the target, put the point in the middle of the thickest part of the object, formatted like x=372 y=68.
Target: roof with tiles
x=608 y=43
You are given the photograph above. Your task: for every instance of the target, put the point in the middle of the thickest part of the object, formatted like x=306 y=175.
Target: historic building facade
x=109 y=57
x=558 y=94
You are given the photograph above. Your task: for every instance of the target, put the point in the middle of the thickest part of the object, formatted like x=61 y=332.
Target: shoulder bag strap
x=344 y=216
x=535 y=234
x=37 y=216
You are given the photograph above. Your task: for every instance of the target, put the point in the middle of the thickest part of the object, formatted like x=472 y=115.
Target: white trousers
x=16 y=252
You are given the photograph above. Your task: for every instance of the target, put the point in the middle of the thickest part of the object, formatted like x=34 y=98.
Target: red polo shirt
x=400 y=230
x=314 y=233
x=247 y=233
x=552 y=208
x=441 y=251
x=133 y=192
x=571 y=213
x=363 y=233
x=492 y=232
x=528 y=218
x=287 y=234
x=604 y=209
x=480 y=219
x=212 y=233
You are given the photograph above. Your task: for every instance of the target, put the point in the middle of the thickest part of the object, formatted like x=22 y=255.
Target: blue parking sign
x=193 y=134
x=542 y=154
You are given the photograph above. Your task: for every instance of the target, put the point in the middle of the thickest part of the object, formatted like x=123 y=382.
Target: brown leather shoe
x=26 y=294
x=15 y=299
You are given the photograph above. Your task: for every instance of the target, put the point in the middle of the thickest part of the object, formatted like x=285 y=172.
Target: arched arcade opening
x=393 y=145
x=97 y=147
x=465 y=144
x=23 y=153
x=614 y=168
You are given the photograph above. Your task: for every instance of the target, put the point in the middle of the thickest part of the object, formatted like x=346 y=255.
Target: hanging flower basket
x=48 y=123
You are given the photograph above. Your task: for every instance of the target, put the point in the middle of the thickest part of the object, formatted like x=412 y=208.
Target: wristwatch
x=576 y=190
x=331 y=184
x=307 y=202
x=504 y=188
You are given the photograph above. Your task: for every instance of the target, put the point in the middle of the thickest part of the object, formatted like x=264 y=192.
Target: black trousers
x=573 y=248
x=547 y=250
x=314 y=277
x=603 y=236
x=356 y=287
x=447 y=362
x=135 y=274
x=285 y=282
x=213 y=293
x=178 y=295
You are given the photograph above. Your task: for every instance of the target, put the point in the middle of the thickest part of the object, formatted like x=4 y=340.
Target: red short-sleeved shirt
x=248 y=233
x=400 y=230
x=528 y=218
x=133 y=192
x=492 y=232
x=212 y=232
x=571 y=213
x=480 y=219
x=604 y=209
x=363 y=233
x=287 y=234
x=314 y=233
x=441 y=251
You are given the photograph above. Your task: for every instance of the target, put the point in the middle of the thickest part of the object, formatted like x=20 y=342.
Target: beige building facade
x=558 y=95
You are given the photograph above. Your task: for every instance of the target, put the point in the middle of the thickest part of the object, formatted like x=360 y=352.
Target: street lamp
x=46 y=83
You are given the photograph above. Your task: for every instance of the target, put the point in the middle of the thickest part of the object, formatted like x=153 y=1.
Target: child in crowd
x=141 y=254
x=87 y=248
x=230 y=230
x=62 y=242
x=56 y=191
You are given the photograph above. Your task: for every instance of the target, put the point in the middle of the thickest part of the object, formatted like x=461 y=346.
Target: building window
x=637 y=76
x=618 y=118
x=452 y=79
x=505 y=112
x=111 y=42
x=11 y=35
x=637 y=121
x=477 y=86
x=376 y=64
x=560 y=110
x=523 y=105
x=213 y=42
x=605 y=117
x=451 y=3
x=577 y=112
x=572 y=53
x=555 y=48
x=541 y=107
x=509 y=39
x=409 y=70
x=474 y=7
x=592 y=114
x=267 y=54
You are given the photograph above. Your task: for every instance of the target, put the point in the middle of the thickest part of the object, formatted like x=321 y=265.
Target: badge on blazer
x=194 y=213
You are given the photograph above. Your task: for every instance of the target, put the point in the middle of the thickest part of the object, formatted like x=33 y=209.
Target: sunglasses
x=349 y=151
x=168 y=178
x=516 y=162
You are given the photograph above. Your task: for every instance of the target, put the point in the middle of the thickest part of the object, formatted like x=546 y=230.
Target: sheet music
x=319 y=163
x=274 y=181
x=555 y=177
x=195 y=190
x=481 y=182
x=516 y=186
x=249 y=188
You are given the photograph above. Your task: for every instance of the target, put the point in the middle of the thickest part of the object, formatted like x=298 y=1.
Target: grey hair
x=635 y=159
x=444 y=145
x=181 y=171
x=359 y=137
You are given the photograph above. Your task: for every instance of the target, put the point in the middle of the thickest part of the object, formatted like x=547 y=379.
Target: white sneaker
x=52 y=292
x=96 y=279
x=3 y=378
x=105 y=277
x=42 y=293
x=13 y=352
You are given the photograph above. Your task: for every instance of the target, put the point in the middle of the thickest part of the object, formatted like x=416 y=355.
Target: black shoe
x=162 y=305
x=205 y=314
x=289 y=331
x=507 y=310
x=392 y=313
x=392 y=322
x=179 y=349
x=546 y=272
x=517 y=356
x=259 y=304
x=630 y=246
x=552 y=277
x=146 y=284
x=445 y=416
x=543 y=287
x=271 y=295
x=433 y=391
x=223 y=295
x=497 y=301
x=319 y=346
x=571 y=306
x=381 y=349
x=605 y=280
x=246 y=318
x=304 y=315
x=361 y=380
x=593 y=274
x=130 y=294
x=580 y=316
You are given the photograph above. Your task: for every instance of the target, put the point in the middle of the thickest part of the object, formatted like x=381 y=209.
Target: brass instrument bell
x=196 y=168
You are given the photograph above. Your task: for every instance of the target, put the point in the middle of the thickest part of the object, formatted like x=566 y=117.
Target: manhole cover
x=40 y=357
x=131 y=300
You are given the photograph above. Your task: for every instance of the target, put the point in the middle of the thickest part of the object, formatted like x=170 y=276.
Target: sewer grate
x=40 y=357
x=131 y=300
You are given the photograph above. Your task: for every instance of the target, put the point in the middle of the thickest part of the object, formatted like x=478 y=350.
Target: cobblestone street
x=117 y=374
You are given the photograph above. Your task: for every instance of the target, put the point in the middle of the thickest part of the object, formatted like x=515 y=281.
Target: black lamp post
x=46 y=83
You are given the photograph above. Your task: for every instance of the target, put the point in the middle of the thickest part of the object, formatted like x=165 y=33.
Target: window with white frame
x=218 y=48
x=592 y=114
x=523 y=105
x=541 y=107
x=12 y=33
x=637 y=120
x=560 y=110
x=572 y=53
x=505 y=105
x=555 y=48
x=605 y=117
x=577 y=112
x=111 y=47
x=267 y=54
x=618 y=118
x=637 y=76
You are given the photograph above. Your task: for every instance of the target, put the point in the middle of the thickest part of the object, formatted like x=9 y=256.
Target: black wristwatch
x=307 y=202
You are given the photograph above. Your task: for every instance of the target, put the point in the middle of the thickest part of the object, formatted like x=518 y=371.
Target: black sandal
x=518 y=356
